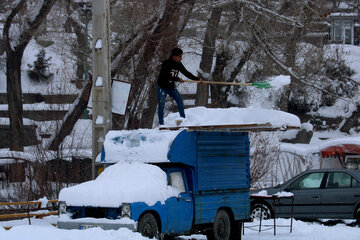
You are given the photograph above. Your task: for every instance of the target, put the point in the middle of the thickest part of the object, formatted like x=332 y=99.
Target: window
x=355 y=183
x=338 y=180
x=352 y=161
x=348 y=35
x=176 y=181
x=338 y=36
x=342 y=31
x=310 y=181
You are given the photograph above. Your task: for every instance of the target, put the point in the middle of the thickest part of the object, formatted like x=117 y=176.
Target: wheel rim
x=147 y=230
x=220 y=228
x=148 y=226
x=256 y=213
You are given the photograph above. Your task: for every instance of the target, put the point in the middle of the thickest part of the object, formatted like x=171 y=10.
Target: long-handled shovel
x=255 y=84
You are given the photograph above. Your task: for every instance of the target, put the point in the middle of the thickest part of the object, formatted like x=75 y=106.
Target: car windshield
x=286 y=182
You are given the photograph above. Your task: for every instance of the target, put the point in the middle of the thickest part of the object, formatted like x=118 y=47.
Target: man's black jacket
x=169 y=74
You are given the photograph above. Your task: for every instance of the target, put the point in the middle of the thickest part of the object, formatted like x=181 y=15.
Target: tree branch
x=9 y=21
x=26 y=36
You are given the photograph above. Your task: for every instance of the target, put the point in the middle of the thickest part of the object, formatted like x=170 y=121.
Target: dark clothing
x=169 y=74
x=174 y=93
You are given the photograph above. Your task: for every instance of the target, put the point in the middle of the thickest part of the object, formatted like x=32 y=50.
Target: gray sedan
x=324 y=193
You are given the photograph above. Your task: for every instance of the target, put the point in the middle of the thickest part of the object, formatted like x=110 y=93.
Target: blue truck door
x=180 y=209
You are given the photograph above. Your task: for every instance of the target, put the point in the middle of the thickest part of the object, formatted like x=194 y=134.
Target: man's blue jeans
x=174 y=93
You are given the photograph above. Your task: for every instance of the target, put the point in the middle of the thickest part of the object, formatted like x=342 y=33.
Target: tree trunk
x=352 y=121
x=202 y=91
x=291 y=50
x=218 y=98
x=71 y=118
x=79 y=50
x=160 y=41
x=13 y=88
x=14 y=52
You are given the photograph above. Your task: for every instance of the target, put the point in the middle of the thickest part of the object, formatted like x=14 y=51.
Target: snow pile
x=201 y=116
x=50 y=232
x=279 y=81
x=264 y=193
x=298 y=148
x=283 y=194
x=126 y=183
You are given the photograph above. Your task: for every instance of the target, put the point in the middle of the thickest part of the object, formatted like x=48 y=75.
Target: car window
x=338 y=180
x=176 y=181
x=355 y=183
x=310 y=181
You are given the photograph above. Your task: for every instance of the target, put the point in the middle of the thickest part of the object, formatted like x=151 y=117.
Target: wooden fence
x=30 y=209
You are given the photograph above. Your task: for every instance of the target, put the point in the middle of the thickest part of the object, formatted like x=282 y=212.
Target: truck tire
x=221 y=227
x=148 y=226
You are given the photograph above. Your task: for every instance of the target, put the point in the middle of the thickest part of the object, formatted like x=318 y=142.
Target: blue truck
x=211 y=169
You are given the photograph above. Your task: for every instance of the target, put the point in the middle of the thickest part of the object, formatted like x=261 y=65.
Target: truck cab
x=202 y=187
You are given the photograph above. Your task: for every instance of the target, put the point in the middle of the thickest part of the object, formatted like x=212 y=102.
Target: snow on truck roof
x=152 y=145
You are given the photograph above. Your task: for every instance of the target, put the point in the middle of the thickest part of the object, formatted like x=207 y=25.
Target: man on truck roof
x=169 y=74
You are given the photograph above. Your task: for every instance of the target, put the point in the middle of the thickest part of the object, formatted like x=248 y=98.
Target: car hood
x=269 y=191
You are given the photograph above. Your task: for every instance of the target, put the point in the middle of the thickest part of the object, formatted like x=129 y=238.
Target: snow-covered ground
x=43 y=230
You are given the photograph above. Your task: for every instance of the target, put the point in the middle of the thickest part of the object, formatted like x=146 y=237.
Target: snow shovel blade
x=263 y=85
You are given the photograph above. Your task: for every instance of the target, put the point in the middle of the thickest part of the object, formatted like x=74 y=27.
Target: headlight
x=125 y=210
x=62 y=207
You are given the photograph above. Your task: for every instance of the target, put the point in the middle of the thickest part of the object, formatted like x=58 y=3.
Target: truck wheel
x=148 y=226
x=222 y=226
x=259 y=209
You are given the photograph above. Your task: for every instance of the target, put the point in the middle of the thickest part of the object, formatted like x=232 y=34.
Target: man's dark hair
x=176 y=52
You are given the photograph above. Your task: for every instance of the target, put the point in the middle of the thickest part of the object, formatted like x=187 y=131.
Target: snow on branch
x=259 y=9
x=290 y=71
x=18 y=34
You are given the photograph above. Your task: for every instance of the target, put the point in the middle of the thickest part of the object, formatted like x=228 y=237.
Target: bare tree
x=208 y=55
x=264 y=152
x=138 y=57
x=22 y=22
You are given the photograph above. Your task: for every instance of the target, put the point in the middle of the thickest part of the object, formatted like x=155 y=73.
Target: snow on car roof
x=121 y=183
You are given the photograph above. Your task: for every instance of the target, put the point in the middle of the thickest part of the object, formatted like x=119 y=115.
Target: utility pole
x=101 y=88
x=86 y=10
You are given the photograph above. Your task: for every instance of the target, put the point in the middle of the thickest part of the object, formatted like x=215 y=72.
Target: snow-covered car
x=323 y=193
x=105 y=201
